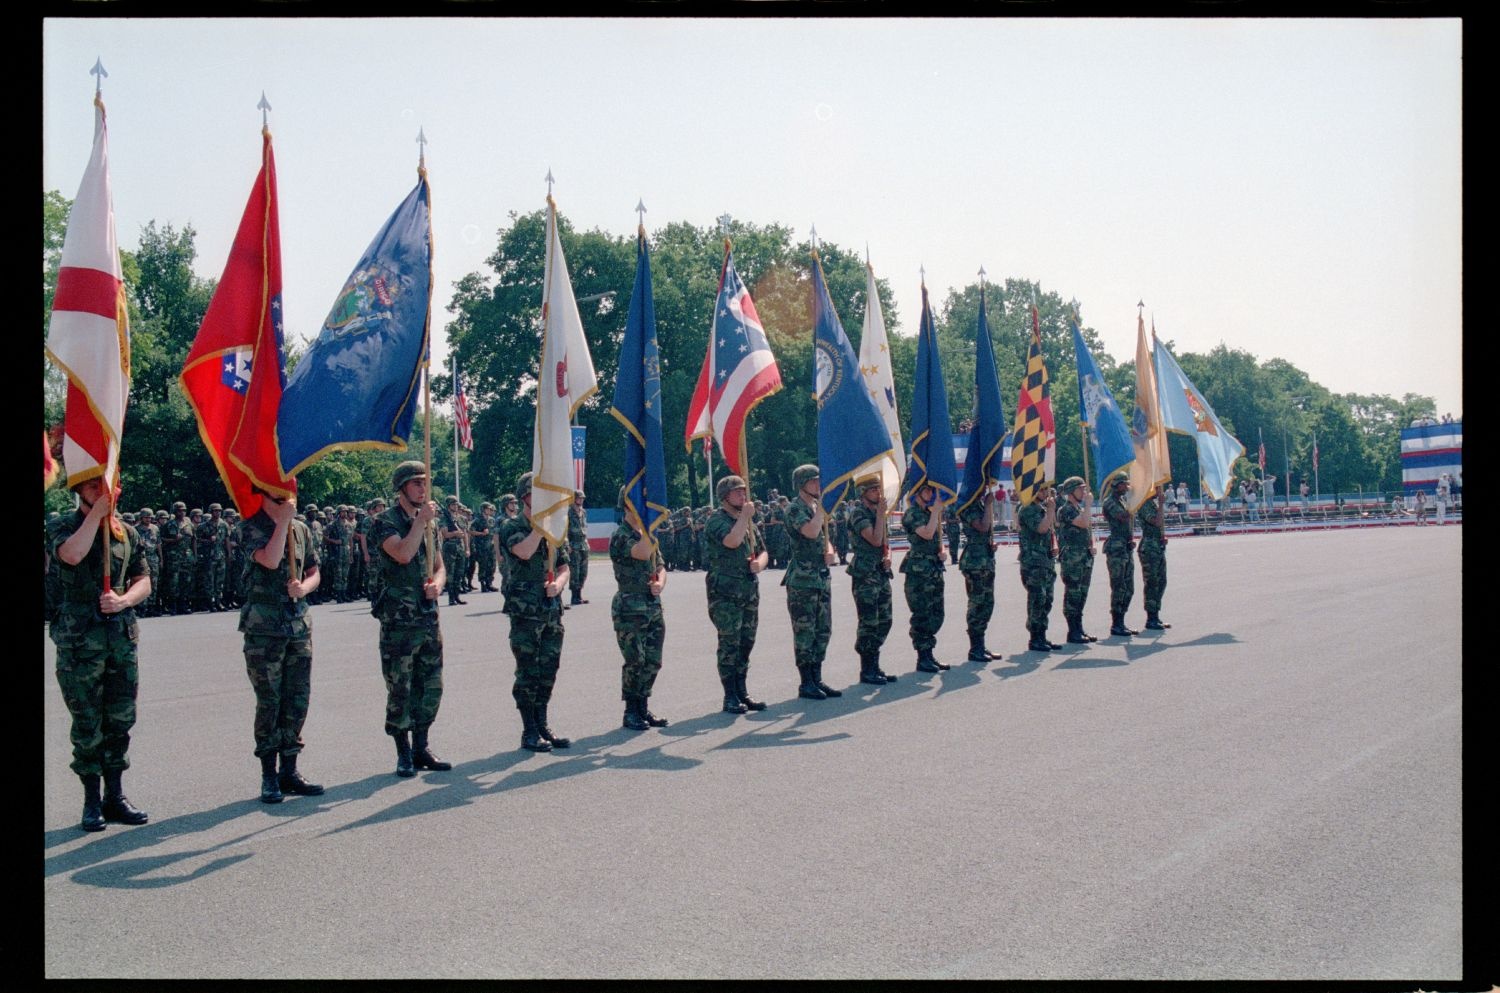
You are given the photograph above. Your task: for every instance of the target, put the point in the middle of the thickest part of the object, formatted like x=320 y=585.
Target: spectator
x=1444 y=490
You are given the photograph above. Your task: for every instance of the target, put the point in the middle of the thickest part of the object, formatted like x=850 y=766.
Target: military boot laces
x=117 y=809
x=291 y=780
x=93 y=813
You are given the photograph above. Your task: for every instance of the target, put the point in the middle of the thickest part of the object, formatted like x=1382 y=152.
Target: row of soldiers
x=681 y=537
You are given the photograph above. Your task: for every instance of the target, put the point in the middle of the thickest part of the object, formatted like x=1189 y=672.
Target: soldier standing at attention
x=95 y=633
x=346 y=553
x=453 y=549
x=533 y=601
x=1117 y=549
x=953 y=527
x=977 y=563
x=923 y=568
x=202 y=558
x=578 y=547
x=373 y=575
x=1153 y=553
x=510 y=507
x=735 y=555
x=1038 y=563
x=218 y=556
x=636 y=612
x=333 y=546
x=808 y=593
x=840 y=521
x=1076 y=548
x=482 y=544
x=281 y=568
x=316 y=525
x=870 y=577
x=411 y=643
x=178 y=559
x=150 y=533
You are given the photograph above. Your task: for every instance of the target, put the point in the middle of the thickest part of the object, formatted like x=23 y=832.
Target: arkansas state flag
x=235 y=372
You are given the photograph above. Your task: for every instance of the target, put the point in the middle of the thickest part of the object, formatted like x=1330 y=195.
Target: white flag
x=565 y=379
x=875 y=367
x=1152 y=466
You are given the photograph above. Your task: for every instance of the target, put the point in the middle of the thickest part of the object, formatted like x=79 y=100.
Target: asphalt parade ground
x=1271 y=789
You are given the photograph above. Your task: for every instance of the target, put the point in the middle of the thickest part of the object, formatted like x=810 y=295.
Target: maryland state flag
x=235 y=372
x=1033 y=446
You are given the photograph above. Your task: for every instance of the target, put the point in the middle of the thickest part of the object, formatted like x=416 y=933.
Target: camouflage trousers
x=812 y=623
x=455 y=564
x=1076 y=577
x=1121 y=581
x=536 y=641
x=640 y=634
x=1039 y=582
x=178 y=582
x=578 y=571
x=338 y=576
x=411 y=659
x=96 y=671
x=872 y=603
x=1153 y=576
x=924 y=598
x=980 y=586
x=153 y=568
x=484 y=557
x=736 y=622
x=376 y=582
x=280 y=671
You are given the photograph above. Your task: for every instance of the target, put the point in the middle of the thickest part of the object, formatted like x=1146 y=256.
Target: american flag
x=461 y=413
x=738 y=371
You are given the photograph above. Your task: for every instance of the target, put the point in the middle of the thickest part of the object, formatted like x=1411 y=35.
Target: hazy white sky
x=1288 y=187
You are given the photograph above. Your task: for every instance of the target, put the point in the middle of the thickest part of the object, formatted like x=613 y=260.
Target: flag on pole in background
x=738 y=371
x=88 y=335
x=1185 y=411
x=637 y=404
x=580 y=455
x=852 y=436
x=1033 y=447
x=880 y=383
x=461 y=412
x=356 y=388
x=931 y=458
x=1152 y=465
x=1315 y=453
x=988 y=435
x=235 y=371
x=565 y=380
x=1261 y=435
x=1109 y=438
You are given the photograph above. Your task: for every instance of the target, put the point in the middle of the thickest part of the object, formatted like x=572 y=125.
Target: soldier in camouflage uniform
x=533 y=601
x=977 y=564
x=95 y=633
x=482 y=544
x=735 y=554
x=1075 y=540
x=411 y=643
x=281 y=568
x=1038 y=559
x=1117 y=549
x=923 y=569
x=374 y=580
x=510 y=508
x=333 y=543
x=234 y=565
x=636 y=613
x=1153 y=553
x=218 y=556
x=870 y=577
x=202 y=559
x=178 y=560
x=578 y=547
x=356 y=587
x=317 y=523
x=809 y=596
x=839 y=521
x=777 y=543
x=454 y=562
x=150 y=533
x=953 y=528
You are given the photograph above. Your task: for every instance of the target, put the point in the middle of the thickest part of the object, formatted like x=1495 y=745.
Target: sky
x=1292 y=188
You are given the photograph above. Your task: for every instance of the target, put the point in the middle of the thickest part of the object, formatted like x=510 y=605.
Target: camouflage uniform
x=213 y=559
x=1038 y=567
x=578 y=549
x=482 y=544
x=374 y=577
x=411 y=643
x=178 y=561
x=977 y=563
x=924 y=582
x=870 y=581
x=335 y=536
x=316 y=528
x=733 y=592
x=1153 y=553
x=150 y=534
x=808 y=598
x=636 y=612
x=536 y=630
x=1076 y=552
x=278 y=636
x=455 y=562
x=840 y=528
x=954 y=529
x=1117 y=549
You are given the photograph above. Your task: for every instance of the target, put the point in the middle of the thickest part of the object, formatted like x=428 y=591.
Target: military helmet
x=196 y=512
x=179 y=505
x=728 y=485
x=802 y=474
x=578 y=494
x=1070 y=484
x=406 y=472
x=486 y=506
x=506 y=499
x=147 y=511
x=128 y=517
x=162 y=515
x=523 y=487
x=866 y=481
x=620 y=503
x=451 y=500
x=216 y=506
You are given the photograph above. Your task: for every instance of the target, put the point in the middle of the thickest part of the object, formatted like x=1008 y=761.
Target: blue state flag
x=931 y=459
x=1110 y=447
x=356 y=386
x=990 y=432
x=1184 y=411
x=852 y=437
x=637 y=404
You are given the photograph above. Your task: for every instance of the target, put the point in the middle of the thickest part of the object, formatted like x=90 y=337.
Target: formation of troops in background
x=403 y=555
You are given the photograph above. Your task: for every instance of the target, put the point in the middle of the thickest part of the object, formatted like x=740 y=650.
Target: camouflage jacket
x=1074 y=544
x=978 y=554
x=401 y=602
x=524 y=584
x=869 y=559
x=1121 y=526
x=268 y=609
x=79 y=585
x=1036 y=546
x=923 y=557
x=632 y=575
x=806 y=570
x=729 y=572
x=1153 y=535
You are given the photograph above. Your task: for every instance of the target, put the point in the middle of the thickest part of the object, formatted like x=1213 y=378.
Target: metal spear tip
x=1141 y=303
x=981 y=273
x=640 y=206
x=550 y=181
x=99 y=69
x=264 y=103
x=421 y=136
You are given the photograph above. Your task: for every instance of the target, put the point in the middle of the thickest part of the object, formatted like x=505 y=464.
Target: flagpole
x=427 y=369
x=453 y=359
x=1317 y=486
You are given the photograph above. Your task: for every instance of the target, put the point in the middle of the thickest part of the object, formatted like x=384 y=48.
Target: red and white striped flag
x=88 y=337
x=461 y=413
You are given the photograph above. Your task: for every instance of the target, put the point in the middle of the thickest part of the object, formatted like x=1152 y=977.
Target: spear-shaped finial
x=867 y=255
x=1142 y=303
x=922 y=272
x=640 y=209
x=724 y=220
x=550 y=181
x=99 y=74
x=981 y=275
x=1073 y=304
x=264 y=107
x=812 y=236
x=421 y=148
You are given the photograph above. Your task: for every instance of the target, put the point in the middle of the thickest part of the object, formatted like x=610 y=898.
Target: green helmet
x=728 y=485
x=1120 y=480
x=128 y=518
x=162 y=515
x=486 y=506
x=866 y=481
x=451 y=500
x=179 y=505
x=523 y=487
x=506 y=499
x=147 y=512
x=406 y=472
x=802 y=474
x=216 y=507
x=1069 y=485
x=196 y=512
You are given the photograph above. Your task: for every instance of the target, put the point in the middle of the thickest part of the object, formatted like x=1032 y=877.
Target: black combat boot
x=1054 y=645
x=869 y=671
x=1039 y=642
x=977 y=651
x=1154 y=622
x=817 y=668
x=925 y=661
x=270 y=786
x=577 y=599
x=93 y=814
x=1117 y=625
x=404 y=768
x=744 y=694
x=116 y=808
x=809 y=688
x=633 y=719
x=732 y=704
x=1075 y=632
x=421 y=755
x=531 y=737
x=291 y=780
x=542 y=729
x=651 y=719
